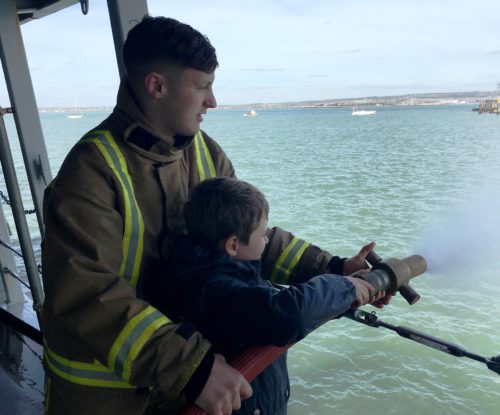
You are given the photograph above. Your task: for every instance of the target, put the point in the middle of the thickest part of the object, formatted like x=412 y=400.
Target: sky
x=284 y=50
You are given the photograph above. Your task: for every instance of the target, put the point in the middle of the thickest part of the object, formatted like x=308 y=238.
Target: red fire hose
x=250 y=363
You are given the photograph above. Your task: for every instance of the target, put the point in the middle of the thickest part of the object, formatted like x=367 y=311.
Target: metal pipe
x=17 y=207
x=124 y=15
x=372 y=320
x=22 y=99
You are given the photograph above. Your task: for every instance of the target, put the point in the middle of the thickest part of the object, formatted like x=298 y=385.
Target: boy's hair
x=162 y=40
x=222 y=207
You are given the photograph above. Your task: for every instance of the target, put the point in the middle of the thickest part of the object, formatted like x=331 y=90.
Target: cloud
x=349 y=51
x=292 y=42
x=263 y=70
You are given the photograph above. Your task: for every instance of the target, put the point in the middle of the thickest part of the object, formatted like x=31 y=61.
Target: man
x=119 y=192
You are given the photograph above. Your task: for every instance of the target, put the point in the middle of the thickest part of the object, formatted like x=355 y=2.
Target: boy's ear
x=155 y=84
x=231 y=245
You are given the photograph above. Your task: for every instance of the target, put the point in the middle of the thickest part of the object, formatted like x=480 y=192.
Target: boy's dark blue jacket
x=232 y=306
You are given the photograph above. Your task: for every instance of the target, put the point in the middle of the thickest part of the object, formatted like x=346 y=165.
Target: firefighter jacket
x=234 y=308
x=119 y=192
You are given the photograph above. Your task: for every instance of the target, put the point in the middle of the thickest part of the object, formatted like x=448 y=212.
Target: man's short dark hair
x=163 y=40
x=222 y=207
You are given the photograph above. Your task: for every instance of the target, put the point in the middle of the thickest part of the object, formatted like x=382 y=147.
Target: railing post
x=9 y=172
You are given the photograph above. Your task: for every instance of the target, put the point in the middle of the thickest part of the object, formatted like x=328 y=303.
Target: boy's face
x=256 y=244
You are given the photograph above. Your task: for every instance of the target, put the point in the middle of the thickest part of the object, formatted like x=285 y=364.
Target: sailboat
x=251 y=113
x=77 y=112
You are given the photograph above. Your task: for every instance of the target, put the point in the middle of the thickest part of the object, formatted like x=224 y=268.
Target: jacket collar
x=142 y=135
x=196 y=255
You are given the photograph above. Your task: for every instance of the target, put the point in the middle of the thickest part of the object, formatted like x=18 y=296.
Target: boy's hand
x=364 y=291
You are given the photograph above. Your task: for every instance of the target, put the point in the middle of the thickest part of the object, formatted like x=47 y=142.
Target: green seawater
x=415 y=180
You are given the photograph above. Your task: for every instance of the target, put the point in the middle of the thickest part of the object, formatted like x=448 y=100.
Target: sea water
x=414 y=179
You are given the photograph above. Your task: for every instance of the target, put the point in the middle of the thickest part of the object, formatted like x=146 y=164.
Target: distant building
x=489 y=105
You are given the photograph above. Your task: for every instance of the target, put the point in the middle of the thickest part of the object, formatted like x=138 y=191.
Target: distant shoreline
x=453 y=98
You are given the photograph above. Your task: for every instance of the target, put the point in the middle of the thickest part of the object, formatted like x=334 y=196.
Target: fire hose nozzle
x=393 y=274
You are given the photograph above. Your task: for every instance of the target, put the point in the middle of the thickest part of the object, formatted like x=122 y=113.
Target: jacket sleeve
x=290 y=260
x=90 y=311
x=263 y=314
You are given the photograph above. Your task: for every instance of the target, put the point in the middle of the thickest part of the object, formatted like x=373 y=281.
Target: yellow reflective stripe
x=90 y=374
x=133 y=232
x=139 y=329
x=288 y=260
x=46 y=389
x=204 y=162
x=132 y=338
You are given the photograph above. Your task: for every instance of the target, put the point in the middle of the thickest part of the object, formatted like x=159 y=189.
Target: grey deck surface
x=21 y=374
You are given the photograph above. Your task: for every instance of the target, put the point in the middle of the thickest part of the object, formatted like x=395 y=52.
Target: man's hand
x=381 y=300
x=224 y=390
x=358 y=262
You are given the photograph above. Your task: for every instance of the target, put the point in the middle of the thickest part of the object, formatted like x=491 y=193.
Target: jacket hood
x=160 y=146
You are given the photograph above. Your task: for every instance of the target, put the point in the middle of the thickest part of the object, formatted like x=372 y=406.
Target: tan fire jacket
x=118 y=194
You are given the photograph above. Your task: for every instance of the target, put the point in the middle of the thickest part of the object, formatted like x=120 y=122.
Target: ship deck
x=21 y=372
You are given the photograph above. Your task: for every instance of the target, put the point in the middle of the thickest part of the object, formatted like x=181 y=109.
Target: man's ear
x=231 y=245
x=156 y=85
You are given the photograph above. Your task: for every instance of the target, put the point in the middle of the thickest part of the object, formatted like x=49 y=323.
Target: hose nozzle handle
x=372 y=258
x=409 y=294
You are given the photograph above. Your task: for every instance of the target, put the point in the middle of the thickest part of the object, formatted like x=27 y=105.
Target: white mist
x=467 y=238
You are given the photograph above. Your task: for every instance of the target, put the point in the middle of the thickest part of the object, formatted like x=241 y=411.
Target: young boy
x=214 y=283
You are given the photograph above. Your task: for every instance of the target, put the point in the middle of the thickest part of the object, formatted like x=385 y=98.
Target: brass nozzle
x=405 y=269
x=393 y=274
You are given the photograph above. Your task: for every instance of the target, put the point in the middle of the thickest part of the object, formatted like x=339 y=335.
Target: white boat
x=355 y=111
x=250 y=113
x=77 y=112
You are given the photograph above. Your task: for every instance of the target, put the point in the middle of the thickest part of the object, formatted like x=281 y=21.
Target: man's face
x=189 y=95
